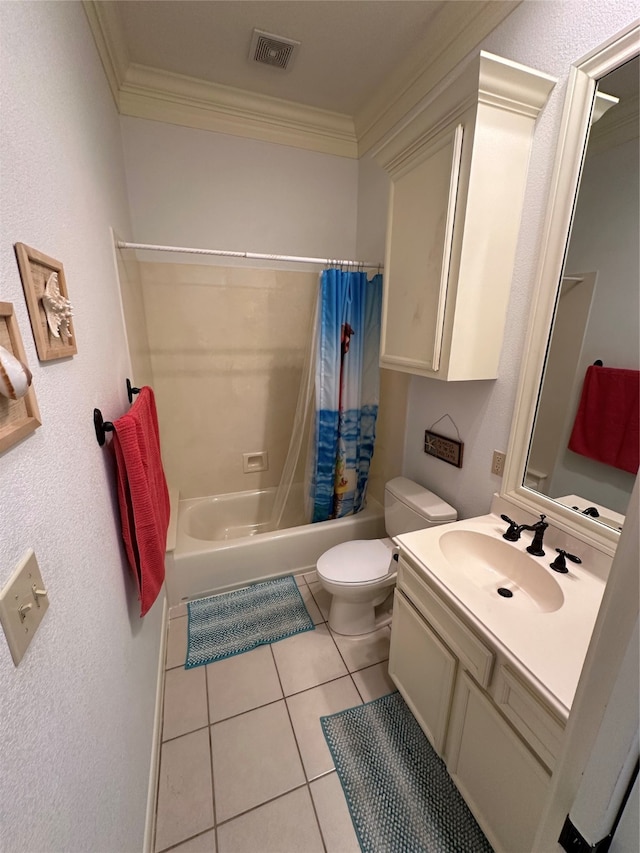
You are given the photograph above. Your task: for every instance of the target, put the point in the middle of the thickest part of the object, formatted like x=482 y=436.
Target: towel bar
x=101 y=426
x=131 y=390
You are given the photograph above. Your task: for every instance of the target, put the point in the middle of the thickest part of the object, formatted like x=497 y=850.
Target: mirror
x=584 y=450
x=561 y=459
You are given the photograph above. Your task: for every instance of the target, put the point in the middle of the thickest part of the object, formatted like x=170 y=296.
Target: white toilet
x=361 y=574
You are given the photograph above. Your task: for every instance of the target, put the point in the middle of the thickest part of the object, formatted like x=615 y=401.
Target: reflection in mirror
x=584 y=447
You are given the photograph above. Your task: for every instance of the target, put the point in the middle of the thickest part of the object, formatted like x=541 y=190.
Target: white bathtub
x=220 y=546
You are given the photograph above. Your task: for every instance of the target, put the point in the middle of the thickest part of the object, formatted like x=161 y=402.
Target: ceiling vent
x=270 y=49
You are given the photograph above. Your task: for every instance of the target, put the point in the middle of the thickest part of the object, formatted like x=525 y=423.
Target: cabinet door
x=423 y=670
x=420 y=229
x=502 y=782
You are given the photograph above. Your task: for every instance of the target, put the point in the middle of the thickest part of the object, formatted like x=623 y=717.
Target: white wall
x=76 y=715
x=548 y=37
x=210 y=190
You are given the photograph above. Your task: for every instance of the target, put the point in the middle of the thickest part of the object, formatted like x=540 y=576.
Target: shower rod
x=255 y=256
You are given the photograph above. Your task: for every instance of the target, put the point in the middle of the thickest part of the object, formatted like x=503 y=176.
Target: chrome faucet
x=514 y=530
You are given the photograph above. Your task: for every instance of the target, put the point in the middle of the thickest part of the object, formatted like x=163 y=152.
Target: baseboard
x=154 y=770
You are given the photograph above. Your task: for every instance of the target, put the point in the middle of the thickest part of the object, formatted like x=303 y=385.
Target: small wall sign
x=447 y=449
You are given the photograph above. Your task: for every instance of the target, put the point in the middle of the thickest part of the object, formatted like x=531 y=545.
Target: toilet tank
x=408 y=506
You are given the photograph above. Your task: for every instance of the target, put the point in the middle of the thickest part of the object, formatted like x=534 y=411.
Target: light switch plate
x=23 y=603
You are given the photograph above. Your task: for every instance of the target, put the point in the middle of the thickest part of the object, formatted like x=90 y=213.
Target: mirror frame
x=574 y=130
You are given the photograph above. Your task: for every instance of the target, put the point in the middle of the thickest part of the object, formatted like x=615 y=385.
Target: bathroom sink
x=501 y=570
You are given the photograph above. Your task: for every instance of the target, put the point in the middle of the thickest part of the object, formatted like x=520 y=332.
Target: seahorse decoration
x=57 y=308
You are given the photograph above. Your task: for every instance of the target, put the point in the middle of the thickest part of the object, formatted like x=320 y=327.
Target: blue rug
x=401 y=798
x=221 y=626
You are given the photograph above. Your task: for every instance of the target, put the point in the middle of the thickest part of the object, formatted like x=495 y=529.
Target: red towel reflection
x=607 y=424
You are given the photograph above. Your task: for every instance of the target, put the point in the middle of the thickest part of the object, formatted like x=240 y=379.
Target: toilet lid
x=357 y=561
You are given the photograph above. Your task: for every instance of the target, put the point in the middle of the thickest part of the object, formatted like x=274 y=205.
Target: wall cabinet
x=496 y=734
x=458 y=174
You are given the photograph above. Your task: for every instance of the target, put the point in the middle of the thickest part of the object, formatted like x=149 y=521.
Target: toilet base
x=352 y=618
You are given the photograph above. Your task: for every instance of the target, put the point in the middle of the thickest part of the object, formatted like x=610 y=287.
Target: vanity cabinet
x=497 y=735
x=423 y=669
x=458 y=173
x=501 y=780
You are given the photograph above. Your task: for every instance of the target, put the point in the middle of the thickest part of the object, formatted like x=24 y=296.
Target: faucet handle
x=559 y=564
x=512 y=534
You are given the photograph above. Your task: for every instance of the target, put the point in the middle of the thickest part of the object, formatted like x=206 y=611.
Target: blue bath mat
x=401 y=798
x=221 y=626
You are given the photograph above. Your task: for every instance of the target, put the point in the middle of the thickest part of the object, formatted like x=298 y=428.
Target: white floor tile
x=177 y=642
x=311 y=577
x=286 y=825
x=185 y=702
x=365 y=649
x=185 y=798
x=205 y=843
x=255 y=758
x=307 y=659
x=299 y=579
x=374 y=681
x=312 y=607
x=322 y=597
x=307 y=708
x=242 y=683
x=333 y=815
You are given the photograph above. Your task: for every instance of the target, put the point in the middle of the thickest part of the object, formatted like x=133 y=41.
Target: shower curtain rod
x=257 y=256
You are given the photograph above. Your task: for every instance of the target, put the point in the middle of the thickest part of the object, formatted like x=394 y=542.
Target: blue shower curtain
x=347 y=392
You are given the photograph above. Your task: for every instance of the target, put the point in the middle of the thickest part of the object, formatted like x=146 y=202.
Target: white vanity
x=490 y=676
x=489 y=642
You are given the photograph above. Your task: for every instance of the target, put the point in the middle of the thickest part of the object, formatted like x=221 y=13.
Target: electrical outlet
x=497 y=466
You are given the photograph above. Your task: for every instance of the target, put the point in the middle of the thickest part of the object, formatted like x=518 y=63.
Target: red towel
x=607 y=424
x=143 y=495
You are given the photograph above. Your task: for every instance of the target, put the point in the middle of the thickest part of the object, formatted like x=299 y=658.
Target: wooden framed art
x=45 y=289
x=18 y=417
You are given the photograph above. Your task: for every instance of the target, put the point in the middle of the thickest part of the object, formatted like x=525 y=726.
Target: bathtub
x=223 y=542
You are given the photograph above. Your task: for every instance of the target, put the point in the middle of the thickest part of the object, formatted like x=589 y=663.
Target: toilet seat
x=360 y=561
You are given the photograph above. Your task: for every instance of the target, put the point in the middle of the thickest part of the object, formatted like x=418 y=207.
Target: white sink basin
x=546 y=624
x=502 y=571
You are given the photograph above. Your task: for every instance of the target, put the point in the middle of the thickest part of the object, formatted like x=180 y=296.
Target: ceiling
x=346 y=48
x=357 y=61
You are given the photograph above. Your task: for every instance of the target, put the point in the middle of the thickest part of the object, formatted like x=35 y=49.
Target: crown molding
x=163 y=96
x=619 y=126
x=150 y=93
x=498 y=83
x=106 y=29
x=455 y=31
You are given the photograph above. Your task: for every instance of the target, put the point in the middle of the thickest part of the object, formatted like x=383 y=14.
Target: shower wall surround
x=135 y=319
x=227 y=346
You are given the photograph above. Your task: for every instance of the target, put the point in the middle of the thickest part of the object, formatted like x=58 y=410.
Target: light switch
x=23 y=603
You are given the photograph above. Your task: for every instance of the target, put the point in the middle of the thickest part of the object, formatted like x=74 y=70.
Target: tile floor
x=244 y=767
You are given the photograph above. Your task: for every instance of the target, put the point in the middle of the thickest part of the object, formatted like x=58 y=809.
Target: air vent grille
x=272 y=50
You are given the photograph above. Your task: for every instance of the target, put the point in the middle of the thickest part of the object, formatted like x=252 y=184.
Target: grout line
x=213 y=792
x=356 y=686
x=184 y=841
x=260 y=805
x=184 y=734
x=325 y=619
x=295 y=738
